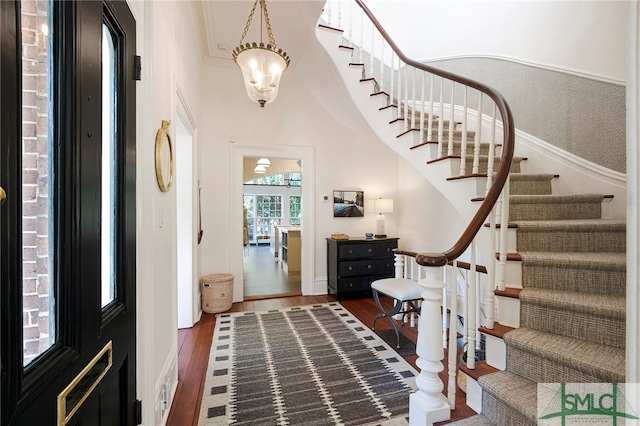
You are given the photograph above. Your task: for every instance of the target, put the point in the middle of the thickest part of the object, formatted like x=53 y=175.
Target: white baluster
x=406 y=99
x=399 y=272
x=428 y=405
x=382 y=43
x=350 y=32
x=445 y=303
x=362 y=20
x=491 y=271
x=479 y=297
x=452 y=119
x=372 y=52
x=504 y=224
x=453 y=335
x=463 y=142
x=392 y=77
x=422 y=110
x=471 y=313
x=492 y=150
x=399 y=112
x=476 y=140
x=430 y=127
x=440 y=125
x=413 y=99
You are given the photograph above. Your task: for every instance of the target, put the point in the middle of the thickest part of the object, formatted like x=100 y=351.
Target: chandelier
x=262 y=64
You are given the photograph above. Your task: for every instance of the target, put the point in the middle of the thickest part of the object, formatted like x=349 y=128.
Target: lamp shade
x=262 y=67
x=383 y=205
x=260 y=170
x=264 y=162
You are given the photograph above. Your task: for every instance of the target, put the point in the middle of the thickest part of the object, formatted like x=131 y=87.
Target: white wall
x=427 y=221
x=344 y=159
x=520 y=30
x=168 y=42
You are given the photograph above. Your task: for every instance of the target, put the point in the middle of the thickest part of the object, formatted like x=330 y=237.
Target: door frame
x=188 y=300
x=307 y=232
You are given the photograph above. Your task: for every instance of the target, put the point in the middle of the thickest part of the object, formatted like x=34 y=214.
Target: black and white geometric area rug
x=308 y=365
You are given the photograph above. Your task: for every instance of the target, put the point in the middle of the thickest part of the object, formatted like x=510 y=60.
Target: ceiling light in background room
x=264 y=162
x=260 y=170
x=262 y=64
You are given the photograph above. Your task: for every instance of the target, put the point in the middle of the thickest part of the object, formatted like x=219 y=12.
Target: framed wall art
x=348 y=203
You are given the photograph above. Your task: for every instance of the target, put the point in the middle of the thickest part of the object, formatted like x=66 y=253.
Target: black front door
x=67 y=213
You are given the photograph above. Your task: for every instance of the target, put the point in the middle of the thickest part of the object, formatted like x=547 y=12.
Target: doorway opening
x=185 y=265
x=272 y=225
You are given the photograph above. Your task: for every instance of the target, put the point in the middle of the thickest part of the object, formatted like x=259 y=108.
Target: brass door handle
x=3 y=195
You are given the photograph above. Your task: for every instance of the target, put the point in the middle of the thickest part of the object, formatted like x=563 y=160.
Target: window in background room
x=249 y=205
x=268 y=214
x=295 y=209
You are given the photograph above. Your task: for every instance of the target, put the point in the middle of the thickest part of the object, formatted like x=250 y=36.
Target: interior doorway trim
x=307 y=157
x=187 y=267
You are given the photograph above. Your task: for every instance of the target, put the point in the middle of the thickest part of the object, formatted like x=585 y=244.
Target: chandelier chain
x=263 y=8
x=246 y=26
x=272 y=41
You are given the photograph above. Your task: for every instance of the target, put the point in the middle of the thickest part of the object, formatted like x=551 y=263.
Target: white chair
x=406 y=292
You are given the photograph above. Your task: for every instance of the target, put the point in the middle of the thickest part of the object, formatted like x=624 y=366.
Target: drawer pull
x=351 y=285
x=369 y=250
x=350 y=251
x=350 y=268
x=368 y=266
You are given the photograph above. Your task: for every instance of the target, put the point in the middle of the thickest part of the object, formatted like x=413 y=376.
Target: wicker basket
x=217 y=292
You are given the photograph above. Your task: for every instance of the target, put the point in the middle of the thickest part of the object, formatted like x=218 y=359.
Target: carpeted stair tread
x=593 y=361
x=457 y=148
x=587 y=235
x=530 y=184
x=566 y=313
x=514 y=392
x=483 y=161
x=579 y=224
x=555 y=207
x=596 y=304
x=596 y=261
x=602 y=273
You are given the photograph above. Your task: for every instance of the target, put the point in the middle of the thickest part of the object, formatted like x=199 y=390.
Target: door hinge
x=137 y=68
x=137 y=407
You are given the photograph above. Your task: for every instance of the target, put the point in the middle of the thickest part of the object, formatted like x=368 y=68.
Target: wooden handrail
x=508 y=130
x=462 y=265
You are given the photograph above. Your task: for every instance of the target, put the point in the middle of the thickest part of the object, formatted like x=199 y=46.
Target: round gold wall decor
x=164 y=157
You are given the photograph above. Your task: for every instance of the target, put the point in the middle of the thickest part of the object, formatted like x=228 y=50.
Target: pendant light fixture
x=262 y=64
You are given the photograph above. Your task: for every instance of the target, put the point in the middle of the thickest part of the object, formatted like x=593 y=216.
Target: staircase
x=566 y=272
x=572 y=302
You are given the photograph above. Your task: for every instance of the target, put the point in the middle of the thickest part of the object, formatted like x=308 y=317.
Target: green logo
x=583 y=403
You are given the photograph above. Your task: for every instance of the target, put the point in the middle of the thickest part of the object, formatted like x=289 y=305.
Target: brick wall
x=35 y=178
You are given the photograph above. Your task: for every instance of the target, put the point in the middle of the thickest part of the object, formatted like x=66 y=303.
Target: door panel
x=88 y=154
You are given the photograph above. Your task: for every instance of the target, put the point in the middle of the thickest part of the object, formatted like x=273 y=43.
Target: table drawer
x=358 y=283
x=365 y=267
x=358 y=251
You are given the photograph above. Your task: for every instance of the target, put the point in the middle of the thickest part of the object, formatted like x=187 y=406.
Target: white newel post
x=428 y=404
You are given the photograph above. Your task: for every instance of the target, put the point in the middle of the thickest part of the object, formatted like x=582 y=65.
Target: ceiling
x=292 y=24
x=278 y=166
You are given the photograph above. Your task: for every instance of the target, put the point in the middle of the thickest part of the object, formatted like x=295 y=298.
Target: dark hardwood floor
x=194 y=345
